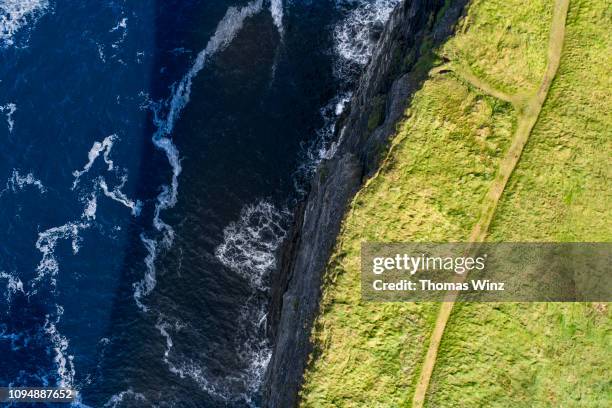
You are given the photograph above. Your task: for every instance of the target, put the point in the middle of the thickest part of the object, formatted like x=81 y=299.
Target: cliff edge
x=398 y=66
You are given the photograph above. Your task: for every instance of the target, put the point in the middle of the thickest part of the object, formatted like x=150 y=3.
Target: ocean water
x=151 y=154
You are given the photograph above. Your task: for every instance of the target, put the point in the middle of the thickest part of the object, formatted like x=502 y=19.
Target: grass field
x=432 y=186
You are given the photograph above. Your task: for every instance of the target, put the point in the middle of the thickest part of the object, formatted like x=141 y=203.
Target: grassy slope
x=547 y=354
x=430 y=189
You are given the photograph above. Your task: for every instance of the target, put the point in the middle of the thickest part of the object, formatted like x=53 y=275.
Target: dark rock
x=394 y=73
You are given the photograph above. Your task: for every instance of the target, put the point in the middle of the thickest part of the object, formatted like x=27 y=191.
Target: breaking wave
x=254 y=354
x=239 y=250
x=249 y=244
x=323 y=145
x=16 y=14
x=248 y=249
x=356 y=35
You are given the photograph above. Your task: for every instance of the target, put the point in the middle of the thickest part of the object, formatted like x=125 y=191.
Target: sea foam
x=129 y=394
x=9 y=109
x=147 y=283
x=249 y=244
x=17 y=182
x=354 y=41
x=226 y=30
x=104 y=147
x=354 y=36
x=63 y=361
x=276 y=10
x=17 y=14
x=117 y=195
x=47 y=242
x=13 y=285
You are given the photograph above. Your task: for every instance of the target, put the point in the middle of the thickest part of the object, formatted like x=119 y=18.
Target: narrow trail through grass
x=528 y=110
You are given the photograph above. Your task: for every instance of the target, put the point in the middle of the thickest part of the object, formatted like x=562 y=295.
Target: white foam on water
x=64 y=361
x=323 y=146
x=117 y=195
x=222 y=388
x=47 y=242
x=121 y=24
x=91 y=207
x=17 y=182
x=104 y=147
x=129 y=394
x=122 y=27
x=13 y=285
x=277 y=13
x=353 y=36
x=140 y=57
x=276 y=10
x=249 y=249
x=163 y=327
x=249 y=244
x=256 y=351
x=9 y=109
x=331 y=112
x=17 y=14
x=226 y=30
x=190 y=369
x=101 y=52
x=186 y=368
x=147 y=283
x=354 y=43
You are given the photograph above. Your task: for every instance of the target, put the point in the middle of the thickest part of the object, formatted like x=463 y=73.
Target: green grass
x=523 y=355
x=430 y=188
x=546 y=354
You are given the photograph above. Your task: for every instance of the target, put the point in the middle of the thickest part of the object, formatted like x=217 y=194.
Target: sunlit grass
x=430 y=188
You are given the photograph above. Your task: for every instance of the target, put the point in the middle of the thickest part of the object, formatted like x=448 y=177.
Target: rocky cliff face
x=396 y=70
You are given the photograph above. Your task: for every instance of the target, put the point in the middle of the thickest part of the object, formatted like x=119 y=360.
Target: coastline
x=397 y=69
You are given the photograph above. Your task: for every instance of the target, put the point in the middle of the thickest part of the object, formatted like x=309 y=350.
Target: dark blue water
x=151 y=153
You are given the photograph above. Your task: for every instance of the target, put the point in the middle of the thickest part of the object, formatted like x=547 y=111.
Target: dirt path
x=528 y=112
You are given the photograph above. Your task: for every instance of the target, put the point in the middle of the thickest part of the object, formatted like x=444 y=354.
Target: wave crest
x=356 y=35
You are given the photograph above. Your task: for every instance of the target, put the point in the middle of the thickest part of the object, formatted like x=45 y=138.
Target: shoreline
x=396 y=70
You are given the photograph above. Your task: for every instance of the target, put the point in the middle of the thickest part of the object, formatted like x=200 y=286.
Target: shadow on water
x=239 y=139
